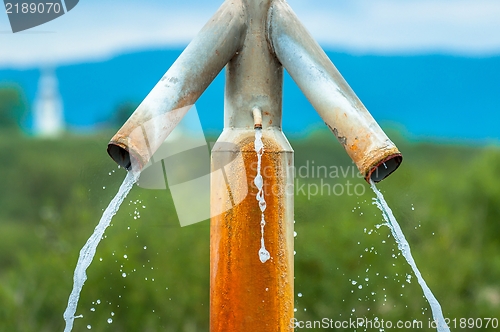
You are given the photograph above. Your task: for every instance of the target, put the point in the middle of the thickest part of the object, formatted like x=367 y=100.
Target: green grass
x=446 y=198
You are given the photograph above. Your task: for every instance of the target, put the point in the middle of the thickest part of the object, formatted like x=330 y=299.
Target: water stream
x=88 y=251
x=259 y=183
x=404 y=247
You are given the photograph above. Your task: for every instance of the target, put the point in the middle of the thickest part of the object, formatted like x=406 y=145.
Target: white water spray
x=404 y=247
x=259 y=183
x=88 y=251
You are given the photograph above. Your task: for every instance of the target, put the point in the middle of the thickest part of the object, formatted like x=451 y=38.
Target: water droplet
x=92 y=309
x=89 y=327
x=145 y=247
x=124 y=274
x=110 y=320
x=103 y=187
x=360 y=286
x=354 y=282
x=258 y=181
x=98 y=301
x=294 y=234
x=264 y=255
x=125 y=256
x=112 y=313
x=299 y=294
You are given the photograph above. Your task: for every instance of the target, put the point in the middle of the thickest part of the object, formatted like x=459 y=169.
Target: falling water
x=88 y=251
x=404 y=247
x=259 y=183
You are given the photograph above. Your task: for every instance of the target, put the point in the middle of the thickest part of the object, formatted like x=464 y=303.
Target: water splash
x=259 y=183
x=88 y=251
x=404 y=247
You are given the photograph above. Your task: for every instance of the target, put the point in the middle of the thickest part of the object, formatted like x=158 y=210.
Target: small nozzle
x=257 y=117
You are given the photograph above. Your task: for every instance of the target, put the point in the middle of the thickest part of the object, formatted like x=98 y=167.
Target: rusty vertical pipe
x=369 y=147
x=246 y=294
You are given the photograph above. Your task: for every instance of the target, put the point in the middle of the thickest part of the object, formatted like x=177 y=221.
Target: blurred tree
x=150 y=274
x=12 y=107
x=123 y=112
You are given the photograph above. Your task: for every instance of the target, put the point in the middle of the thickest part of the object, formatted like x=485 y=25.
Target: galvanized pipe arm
x=180 y=87
x=374 y=153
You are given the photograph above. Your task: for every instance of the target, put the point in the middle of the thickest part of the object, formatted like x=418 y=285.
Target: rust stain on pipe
x=247 y=295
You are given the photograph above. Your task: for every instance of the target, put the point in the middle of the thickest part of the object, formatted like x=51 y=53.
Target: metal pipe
x=374 y=153
x=256 y=38
x=246 y=294
x=180 y=87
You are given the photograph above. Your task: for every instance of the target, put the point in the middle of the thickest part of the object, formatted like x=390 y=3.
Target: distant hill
x=431 y=96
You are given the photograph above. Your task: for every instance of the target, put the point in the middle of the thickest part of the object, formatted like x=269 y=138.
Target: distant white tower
x=48 y=107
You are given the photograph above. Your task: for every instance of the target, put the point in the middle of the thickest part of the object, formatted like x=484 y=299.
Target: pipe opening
x=120 y=155
x=257 y=117
x=384 y=168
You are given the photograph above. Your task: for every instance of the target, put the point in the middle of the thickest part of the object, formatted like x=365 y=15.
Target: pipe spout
x=374 y=153
x=257 y=117
x=181 y=86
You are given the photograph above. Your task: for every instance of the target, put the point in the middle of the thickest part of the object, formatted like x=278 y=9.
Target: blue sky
x=98 y=29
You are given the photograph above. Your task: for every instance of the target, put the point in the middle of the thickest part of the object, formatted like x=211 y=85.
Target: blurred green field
x=52 y=194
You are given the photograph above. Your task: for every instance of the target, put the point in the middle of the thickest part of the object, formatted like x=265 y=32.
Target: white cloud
x=470 y=27
x=92 y=31
x=96 y=29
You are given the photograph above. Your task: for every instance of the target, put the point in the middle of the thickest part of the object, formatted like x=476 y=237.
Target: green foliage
x=12 y=107
x=153 y=275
